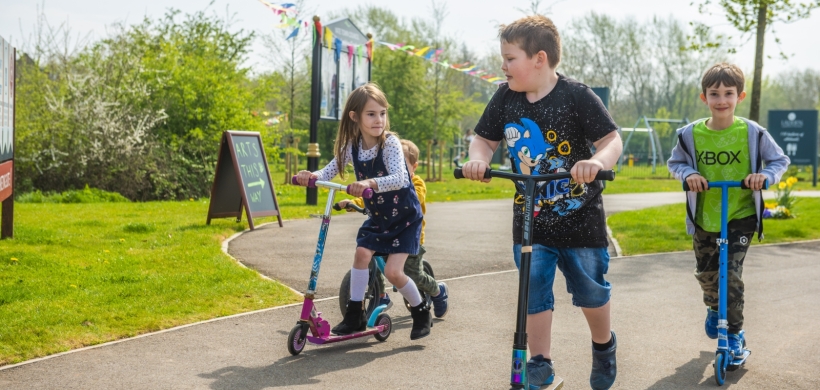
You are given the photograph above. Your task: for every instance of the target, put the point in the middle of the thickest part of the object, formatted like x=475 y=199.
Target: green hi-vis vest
x=723 y=156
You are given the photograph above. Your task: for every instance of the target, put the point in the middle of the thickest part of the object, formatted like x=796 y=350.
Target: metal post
x=315 y=102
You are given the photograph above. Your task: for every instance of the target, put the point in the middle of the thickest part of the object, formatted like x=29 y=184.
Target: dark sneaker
x=711 y=323
x=737 y=343
x=604 y=368
x=422 y=321
x=385 y=300
x=440 y=300
x=354 y=320
x=539 y=372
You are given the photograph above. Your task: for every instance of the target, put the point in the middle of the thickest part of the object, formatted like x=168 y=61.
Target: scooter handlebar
x=313 y=183
x=349 y=206
x=742 y=185
x=608 y=175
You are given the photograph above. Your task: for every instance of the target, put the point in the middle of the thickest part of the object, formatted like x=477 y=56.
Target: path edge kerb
x=224 y=246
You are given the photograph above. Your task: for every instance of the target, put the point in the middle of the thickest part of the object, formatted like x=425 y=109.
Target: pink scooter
x=379 y=324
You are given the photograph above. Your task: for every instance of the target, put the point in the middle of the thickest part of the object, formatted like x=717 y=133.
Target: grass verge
x=82 y=274
x=662 y=229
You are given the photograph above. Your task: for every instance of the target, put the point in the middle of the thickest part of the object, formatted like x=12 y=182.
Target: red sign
x=6 y=179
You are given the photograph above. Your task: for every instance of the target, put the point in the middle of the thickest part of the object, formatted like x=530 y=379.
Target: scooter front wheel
x=720 y=368
x=384 y=319
x=371 y=297
x=296 y=340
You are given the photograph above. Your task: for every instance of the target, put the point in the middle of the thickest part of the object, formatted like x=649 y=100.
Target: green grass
x=662 y=229
x=83 y=274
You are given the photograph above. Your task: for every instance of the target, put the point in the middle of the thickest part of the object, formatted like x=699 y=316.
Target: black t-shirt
x=550 y=136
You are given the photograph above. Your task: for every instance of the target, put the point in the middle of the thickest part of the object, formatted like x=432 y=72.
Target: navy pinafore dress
x=394 y=217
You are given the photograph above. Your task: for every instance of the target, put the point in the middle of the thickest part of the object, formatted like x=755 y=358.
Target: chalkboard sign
x=242 y=179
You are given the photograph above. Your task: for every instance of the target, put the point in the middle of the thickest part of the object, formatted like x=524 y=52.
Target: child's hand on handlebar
x=475 y=169
x=304 y=177
x=697 y=183
x=584 y=171
x=755 y=181
x=343 y=205
x=357 y=188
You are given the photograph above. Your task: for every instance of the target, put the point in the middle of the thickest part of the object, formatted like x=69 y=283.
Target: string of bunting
x=433 y=56
x=287 y=13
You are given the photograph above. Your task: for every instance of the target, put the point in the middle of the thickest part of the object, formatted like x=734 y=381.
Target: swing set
x=654 y=141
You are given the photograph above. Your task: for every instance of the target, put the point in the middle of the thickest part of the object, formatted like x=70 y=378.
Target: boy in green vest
x=725 y=148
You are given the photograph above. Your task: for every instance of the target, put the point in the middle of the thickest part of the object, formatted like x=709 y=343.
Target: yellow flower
x=106 y=250
x=771 y=205
x=14 y=259
x=781 y=185
x=791 y=181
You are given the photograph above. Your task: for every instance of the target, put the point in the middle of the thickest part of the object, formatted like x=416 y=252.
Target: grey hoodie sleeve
x=680 y=163
x=774 y=159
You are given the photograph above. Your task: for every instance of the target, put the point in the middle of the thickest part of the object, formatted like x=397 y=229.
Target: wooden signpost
x=242 y=180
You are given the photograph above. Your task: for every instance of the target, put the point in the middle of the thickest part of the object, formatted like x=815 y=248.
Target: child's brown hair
x=411 y=151
x=533 y=34
x=724 y=73
x=349 y=130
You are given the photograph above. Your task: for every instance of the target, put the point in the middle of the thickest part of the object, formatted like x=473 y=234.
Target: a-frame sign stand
x=242 y=180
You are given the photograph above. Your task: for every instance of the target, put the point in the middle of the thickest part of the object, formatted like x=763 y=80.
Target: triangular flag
x=420 y=52
x=350 y=55
x=293 y=33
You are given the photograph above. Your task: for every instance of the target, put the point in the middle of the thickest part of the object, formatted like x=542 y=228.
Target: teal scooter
x=724 y=359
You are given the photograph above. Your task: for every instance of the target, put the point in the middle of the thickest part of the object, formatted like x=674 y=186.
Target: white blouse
x=396 y=177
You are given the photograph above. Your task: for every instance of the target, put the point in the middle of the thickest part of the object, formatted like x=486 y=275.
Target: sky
x=473 y=21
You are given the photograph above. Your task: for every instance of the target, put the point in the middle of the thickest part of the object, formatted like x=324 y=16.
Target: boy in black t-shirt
x=548 y=122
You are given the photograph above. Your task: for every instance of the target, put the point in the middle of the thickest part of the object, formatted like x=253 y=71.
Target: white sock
x=411 y=293
x=358 y=283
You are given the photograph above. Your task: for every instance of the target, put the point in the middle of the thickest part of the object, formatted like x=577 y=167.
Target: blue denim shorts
x=583 y=268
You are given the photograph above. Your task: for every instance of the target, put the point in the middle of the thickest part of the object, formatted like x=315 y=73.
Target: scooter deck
x=557 y=384
x=738 y=361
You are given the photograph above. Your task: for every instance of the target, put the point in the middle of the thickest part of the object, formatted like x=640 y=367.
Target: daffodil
x=781 y=185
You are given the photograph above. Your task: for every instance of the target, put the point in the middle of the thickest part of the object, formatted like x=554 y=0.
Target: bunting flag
x=287 y=13
x=433 y=56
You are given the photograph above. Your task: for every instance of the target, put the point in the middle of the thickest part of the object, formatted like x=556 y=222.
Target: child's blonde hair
x=349 y=130
x=532 y=34
x=724 y=73
x=411 y=151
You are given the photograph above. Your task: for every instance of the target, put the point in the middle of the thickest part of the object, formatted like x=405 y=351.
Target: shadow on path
x=301 y=369
x=691 y=375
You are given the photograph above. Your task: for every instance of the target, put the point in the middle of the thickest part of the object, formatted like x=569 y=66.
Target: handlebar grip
x=460 y=175
x=367 y=194
x=337 y=207
x=685 y=186
x=311 y=183
x=608 y=175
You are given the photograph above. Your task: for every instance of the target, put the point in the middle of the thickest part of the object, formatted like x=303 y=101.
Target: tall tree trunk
x=754 y=111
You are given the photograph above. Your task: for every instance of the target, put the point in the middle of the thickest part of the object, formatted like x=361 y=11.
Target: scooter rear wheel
x=384 y=319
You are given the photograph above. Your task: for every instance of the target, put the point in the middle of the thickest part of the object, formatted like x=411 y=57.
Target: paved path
x=656 y=313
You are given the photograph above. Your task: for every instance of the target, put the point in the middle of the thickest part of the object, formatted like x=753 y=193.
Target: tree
x=758 y=16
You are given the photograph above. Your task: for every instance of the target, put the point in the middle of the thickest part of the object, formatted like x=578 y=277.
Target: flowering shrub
x=783 y=202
